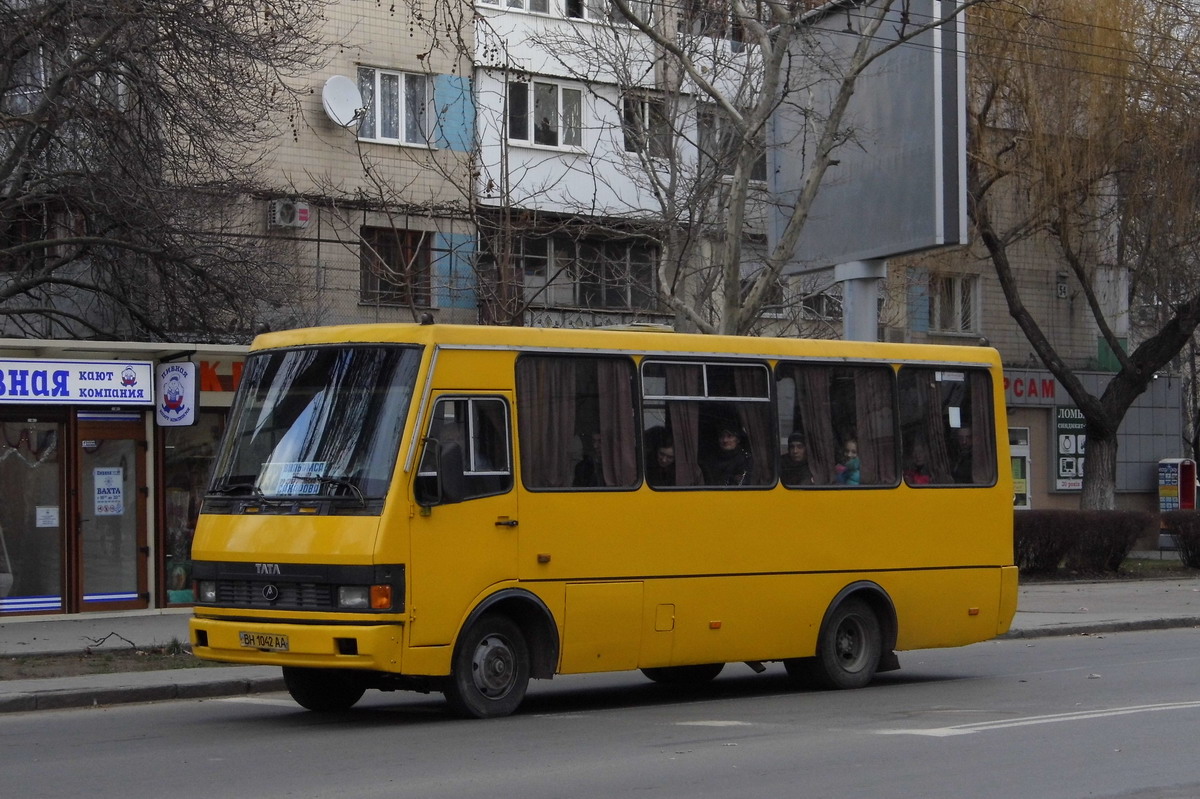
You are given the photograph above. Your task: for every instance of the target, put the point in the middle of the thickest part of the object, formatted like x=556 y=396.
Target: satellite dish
x=342 y=101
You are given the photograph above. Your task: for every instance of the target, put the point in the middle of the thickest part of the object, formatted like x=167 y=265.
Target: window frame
x=522 y=112
x=646 y=125
x=376 y=287
x=715 y=148
x=373 y=119
x=478 y=482
x=712 y=409
x=962 y=287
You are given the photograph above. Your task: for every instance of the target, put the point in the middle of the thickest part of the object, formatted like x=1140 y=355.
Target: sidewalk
x=1044 y=609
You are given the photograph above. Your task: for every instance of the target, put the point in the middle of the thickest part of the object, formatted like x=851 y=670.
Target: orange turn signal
x=381 y=597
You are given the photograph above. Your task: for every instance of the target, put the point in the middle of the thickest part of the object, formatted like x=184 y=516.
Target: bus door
x=464 y=538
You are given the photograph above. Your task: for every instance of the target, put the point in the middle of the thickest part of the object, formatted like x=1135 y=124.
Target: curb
x=1103 y=627
x=52 y=698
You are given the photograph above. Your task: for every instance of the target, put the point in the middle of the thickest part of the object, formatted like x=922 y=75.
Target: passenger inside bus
x=849 y=468
x=796 y=470
x=731 y=464
x=590 y=469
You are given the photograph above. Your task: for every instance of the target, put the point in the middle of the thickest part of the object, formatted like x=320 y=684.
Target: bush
x=1185 y=526
x=1089 y=542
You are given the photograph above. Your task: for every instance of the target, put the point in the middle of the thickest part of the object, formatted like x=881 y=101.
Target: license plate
x=277 y=643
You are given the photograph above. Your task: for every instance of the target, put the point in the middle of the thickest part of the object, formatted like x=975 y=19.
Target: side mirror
x=448 y=484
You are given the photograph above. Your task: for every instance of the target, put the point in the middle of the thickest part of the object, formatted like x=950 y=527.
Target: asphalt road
x=1113 y=715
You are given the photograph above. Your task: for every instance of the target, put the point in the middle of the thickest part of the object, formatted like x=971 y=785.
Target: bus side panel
x=601 y=627
x=948 y=607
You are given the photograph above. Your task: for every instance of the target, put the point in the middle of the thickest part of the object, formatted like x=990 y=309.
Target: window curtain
x=618 y=442
x=755 y=418
x=685 y=380
x=812 y=401
x=929 y=398
x=876 y=430
x=546 y=419
x=983 y=437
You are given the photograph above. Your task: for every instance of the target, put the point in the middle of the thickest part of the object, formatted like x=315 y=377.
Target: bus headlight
x=365 y=597
x=354 y=597
x=206 y=591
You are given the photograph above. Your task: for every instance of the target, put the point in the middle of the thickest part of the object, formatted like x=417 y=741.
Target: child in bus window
x=849 y=469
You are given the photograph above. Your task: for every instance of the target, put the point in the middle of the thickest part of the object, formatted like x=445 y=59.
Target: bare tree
x=715 y=75
x=130 y=133
x=1081 y=121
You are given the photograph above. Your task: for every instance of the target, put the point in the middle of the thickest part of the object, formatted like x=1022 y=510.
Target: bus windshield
x=317 y=422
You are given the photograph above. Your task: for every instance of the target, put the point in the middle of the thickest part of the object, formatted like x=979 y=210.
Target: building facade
x=105 y=455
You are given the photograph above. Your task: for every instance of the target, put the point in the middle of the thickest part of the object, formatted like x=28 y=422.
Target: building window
x=953 y=302
x=557 y=271
x=397 y=106
x=646 y=125
x=395 y=267
x=551 y=117
x=721 y=145
x=536 y=6
x=28 y=79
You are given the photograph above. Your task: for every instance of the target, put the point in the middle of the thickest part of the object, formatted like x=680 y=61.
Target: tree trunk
x=1099 y=471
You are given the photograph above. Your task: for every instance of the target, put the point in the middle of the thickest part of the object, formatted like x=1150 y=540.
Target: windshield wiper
x=246 y=488
x=333 y=481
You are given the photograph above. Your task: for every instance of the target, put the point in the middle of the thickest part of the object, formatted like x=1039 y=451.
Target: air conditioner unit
x=288 y=213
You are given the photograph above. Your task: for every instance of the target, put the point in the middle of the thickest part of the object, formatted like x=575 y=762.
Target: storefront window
x=188 y=454
x=30 y=517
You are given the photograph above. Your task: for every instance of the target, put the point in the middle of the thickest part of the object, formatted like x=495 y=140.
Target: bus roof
x=629 y=340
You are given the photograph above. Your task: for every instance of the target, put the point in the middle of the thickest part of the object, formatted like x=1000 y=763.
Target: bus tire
x=848 y=650
x=684 y=676
x=490 y=670
x=323 y=690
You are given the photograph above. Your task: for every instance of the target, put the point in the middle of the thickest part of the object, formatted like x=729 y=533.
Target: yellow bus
x=461 y=509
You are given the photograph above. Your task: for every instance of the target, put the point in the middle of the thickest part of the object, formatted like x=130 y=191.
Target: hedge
x=1185 y=526
x=1085 y=541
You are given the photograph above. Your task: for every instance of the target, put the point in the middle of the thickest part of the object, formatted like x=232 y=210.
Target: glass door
x=112 y=552
x=31 y=519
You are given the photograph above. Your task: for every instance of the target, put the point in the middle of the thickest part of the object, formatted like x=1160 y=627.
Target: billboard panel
x=899 y=182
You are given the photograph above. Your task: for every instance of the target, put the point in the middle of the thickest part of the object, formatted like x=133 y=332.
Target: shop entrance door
x=111 y=504
x=31 y=539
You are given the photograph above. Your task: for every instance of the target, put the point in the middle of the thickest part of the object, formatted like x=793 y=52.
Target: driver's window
x=472 y=431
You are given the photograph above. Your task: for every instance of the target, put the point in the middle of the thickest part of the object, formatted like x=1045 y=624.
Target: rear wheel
x=685 y=676
x=490 y=671
x=323 y=690
x=848 y=650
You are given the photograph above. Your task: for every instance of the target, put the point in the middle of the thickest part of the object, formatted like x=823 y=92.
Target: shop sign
x=176 y=387
x=31 y=382
x=1070 y=433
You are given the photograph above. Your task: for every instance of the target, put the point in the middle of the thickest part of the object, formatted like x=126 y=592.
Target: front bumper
x=371 y=647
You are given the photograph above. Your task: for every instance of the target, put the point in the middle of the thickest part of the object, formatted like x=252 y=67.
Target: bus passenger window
x=708 y=424
x=836 y=425
x=576 y=422
x=947 y=428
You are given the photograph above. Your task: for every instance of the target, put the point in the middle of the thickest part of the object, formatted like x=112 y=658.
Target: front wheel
x=323 y=690
x=490 y=670
x=684 y=676
x=848 y=650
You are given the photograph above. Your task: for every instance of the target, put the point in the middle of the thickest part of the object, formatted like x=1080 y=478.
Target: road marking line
x=254 y=700
x=1028 y=721
x=713 y=724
